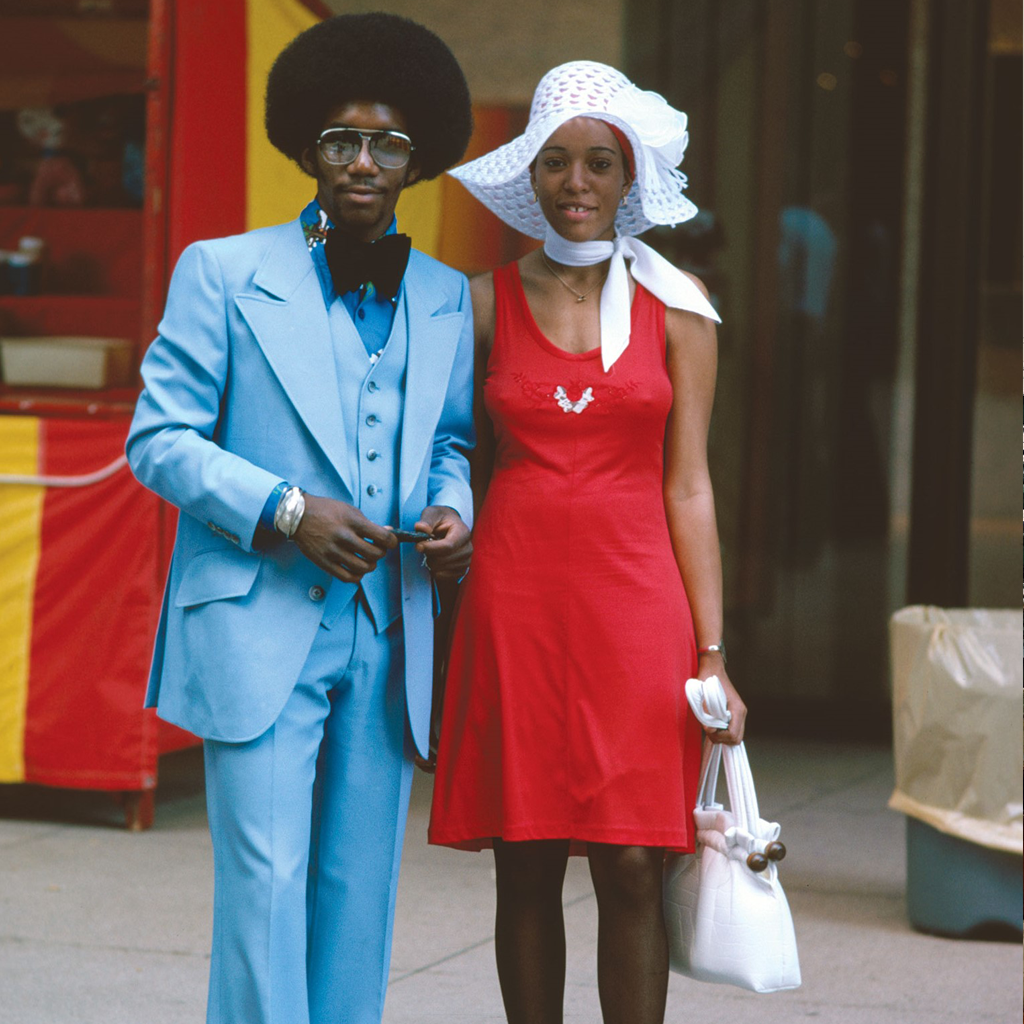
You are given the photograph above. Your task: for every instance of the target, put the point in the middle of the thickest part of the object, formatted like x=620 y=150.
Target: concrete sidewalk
x=99 y=926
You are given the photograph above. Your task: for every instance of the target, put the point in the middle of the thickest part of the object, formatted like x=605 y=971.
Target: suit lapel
x=289 y=321
x=432 y=341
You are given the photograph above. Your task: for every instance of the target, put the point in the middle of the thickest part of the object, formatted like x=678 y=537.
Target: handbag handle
x=707 y=701
x=706 y=698
x=739 y=783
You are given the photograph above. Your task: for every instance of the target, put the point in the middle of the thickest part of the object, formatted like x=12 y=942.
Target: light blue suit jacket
x=241 y=393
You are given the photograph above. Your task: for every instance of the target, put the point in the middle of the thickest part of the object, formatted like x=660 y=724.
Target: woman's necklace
x=559 y=279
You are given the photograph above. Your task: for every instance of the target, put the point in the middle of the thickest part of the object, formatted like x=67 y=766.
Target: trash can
x=957 y=680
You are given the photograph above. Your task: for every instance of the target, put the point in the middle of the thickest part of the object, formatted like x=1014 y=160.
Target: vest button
x=371 y=420
x=372 y=490
x=372 y=454
x=317 y=593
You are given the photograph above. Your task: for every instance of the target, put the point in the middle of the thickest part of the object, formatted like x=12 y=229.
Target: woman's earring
x=533 y=198
x=625 y=193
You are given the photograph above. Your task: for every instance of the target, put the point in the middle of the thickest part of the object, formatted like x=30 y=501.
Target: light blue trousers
x=307 y=823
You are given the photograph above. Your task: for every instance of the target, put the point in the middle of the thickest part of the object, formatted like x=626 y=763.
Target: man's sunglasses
x=341 y=146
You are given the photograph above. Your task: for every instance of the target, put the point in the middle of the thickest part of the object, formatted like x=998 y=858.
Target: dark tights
x=529 y=933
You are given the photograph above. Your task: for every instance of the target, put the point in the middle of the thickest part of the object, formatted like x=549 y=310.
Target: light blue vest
x=372 y=402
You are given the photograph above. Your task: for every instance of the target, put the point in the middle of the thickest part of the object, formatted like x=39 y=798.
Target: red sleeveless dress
x=565 y=715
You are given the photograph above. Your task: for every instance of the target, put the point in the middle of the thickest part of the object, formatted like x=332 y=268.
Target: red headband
x=627 y=149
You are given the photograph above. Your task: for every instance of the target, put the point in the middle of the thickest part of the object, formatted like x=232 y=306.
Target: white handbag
x=727 y=917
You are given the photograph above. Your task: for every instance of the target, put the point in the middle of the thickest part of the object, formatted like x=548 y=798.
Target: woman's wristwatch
x=718 y=648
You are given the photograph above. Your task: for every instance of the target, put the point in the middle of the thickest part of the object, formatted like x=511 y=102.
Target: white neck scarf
x=649 y=268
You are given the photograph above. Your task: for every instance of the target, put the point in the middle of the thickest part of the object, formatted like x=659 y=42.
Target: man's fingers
x=367 y=550
x=443 y=542
x=358 y=530
x=430 y=528
x=380 y=538
x=364 y=535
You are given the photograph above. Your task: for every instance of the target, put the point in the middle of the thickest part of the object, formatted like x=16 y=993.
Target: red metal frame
x=154 y=210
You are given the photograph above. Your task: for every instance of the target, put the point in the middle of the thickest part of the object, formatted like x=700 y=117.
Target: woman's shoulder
x=481 y=292
x=485 y=287
x=481 y=288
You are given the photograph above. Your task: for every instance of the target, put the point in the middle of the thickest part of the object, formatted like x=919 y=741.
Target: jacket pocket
x=216 y=576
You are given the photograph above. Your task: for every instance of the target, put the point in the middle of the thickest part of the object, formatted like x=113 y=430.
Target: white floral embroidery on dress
x=567 y=405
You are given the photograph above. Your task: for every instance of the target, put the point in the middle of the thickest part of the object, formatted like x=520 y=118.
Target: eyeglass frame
x=366 y=140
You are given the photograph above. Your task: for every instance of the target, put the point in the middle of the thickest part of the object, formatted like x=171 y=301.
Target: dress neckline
x=541 y=338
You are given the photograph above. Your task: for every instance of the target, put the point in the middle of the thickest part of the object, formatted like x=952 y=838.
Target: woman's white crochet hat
x=656 y=131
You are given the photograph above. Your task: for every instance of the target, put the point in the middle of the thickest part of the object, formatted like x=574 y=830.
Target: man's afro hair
x=379 y=58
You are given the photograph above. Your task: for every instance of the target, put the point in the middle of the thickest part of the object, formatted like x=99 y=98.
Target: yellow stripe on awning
x=276 y=188
x=419 y=215
x=21 y=515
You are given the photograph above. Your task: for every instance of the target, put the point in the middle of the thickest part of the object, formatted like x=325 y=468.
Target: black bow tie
x=353 y=263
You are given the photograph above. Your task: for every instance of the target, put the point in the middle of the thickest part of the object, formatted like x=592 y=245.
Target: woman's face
x=580 y=178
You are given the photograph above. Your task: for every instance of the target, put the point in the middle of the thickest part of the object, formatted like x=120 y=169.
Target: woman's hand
x=714 y=665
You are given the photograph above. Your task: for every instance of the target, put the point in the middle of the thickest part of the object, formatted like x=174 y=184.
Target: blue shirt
x=373 y=316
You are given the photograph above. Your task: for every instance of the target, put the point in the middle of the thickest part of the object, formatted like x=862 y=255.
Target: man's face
x=360 y=197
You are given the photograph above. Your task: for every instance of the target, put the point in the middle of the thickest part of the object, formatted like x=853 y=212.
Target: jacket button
x=316 y=593
x=372 y=454
x=372 y=490
x=371 y=420
x=373 y=386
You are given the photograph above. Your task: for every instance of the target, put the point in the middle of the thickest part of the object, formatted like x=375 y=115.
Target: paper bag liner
x=957 y=679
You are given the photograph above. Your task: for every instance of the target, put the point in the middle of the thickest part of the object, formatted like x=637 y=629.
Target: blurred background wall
x=505 y=47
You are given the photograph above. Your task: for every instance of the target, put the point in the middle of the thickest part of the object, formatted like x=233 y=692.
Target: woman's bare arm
x=481 y=461
x=692 y=353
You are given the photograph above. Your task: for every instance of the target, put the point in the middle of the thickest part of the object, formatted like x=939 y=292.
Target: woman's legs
x=632 y=950
x=529 y=932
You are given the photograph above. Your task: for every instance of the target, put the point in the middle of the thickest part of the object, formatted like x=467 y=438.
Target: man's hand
x=449 y=550
x=340 y=539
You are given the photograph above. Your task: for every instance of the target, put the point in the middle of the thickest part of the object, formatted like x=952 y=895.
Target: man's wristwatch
x=289 y=512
